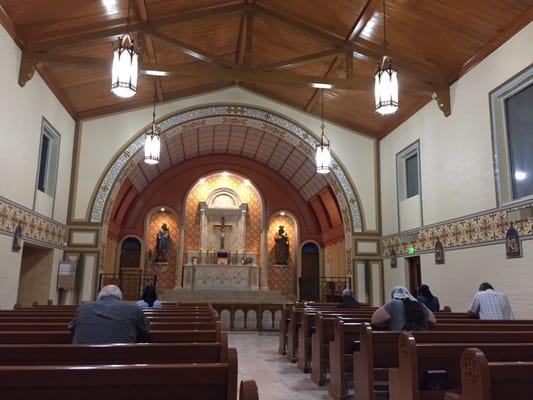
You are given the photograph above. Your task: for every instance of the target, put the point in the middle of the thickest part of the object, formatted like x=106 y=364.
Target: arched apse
x=296 y=140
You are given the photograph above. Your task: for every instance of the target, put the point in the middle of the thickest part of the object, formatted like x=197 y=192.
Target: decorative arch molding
x=234 y=114
x=212 y=198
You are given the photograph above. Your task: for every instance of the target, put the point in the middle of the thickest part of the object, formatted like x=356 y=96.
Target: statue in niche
x=163 y=241
x=17 y=238
x=512 y=243
x=281 y=250
x=439 y=252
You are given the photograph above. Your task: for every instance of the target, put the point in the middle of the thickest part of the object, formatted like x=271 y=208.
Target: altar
x=221 y=277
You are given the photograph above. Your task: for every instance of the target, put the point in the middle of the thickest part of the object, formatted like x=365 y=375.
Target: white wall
x=355 y=151
x=21 y=113
x=455 y=152
x=458 y=179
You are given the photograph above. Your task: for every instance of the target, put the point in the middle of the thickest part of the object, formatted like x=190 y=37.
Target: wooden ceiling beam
x=243 y=74
x=249 y=40
x=117 y=27
x=299 y=61
x=368 y=50
x=188 y=49
x=365 y=16
x=150 y=48
x=9 y=26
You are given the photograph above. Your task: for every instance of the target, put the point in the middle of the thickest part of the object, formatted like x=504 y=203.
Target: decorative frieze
x=473 y=230
x=35 y=227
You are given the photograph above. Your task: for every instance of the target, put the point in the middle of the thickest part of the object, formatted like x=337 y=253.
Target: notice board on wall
x=66 y=275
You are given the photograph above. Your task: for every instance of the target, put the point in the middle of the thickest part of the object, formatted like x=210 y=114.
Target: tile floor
x=277 y=379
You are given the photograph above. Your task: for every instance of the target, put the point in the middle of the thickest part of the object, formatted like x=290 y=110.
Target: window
x=408 y=176
x=411 y=175
x=519 y=112
x=48 y=159
x=512 y=136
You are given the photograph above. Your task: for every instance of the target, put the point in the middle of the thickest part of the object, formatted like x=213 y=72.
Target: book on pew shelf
x=435 y=379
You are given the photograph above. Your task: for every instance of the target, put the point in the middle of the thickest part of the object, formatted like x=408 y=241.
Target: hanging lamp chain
x=322 y=126
x=385 y=26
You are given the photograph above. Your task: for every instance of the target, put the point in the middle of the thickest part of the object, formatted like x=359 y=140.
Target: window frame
x=501 y=151
x=401 y=170
x=52 y=167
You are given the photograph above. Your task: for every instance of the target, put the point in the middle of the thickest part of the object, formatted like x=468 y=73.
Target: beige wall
x=335 y=259
x=35 y=273
x=354 y=150
x=21 y=113
x=458 y=179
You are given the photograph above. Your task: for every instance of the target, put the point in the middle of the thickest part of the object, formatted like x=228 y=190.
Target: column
x=203 y=226
x=241 y=239
x=179 y=260
x=264 y=260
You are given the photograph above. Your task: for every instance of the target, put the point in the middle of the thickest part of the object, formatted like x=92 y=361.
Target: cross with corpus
x=222 y=227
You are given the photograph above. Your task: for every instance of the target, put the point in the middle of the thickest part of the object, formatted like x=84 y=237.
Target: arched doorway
x=310 y=279
x=130 y=253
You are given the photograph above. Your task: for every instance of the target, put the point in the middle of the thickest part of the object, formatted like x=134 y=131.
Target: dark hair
x=149 y=295
x=423 y=290
x=485 y=286
x=416 y=318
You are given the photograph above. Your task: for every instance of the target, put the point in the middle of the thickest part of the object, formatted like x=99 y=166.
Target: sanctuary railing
x=331 y=288
x=132 y=284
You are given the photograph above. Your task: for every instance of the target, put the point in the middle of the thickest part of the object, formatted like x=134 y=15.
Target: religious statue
x=282 y=247
x=163 y=241
x=17 y=236
x=439 y=252
x=512 y=243
x=223 y=228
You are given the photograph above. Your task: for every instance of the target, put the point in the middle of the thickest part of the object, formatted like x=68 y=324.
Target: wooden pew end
x=248 y=390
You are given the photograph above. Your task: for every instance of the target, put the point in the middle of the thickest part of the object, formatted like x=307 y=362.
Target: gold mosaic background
x=469 y=231
x=247 y=194
x=281 y=278
x=166 y=275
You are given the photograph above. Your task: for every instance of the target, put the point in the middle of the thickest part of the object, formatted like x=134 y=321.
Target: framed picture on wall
x=393 y=259
x=439 y=252
x=512 y=243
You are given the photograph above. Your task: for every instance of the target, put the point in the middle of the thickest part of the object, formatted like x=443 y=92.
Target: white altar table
x=221 y=277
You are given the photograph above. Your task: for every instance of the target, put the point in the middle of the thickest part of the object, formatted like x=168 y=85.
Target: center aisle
x=276 y=378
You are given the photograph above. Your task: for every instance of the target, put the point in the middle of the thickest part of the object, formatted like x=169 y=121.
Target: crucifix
x=223 y=228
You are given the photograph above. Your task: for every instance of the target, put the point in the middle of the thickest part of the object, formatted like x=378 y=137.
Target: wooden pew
x=64 y=337
x=340 y=356
x=58 y=326
x=379 y=351
x=138 y=353
x=205 y=381
x=483 y=380
x=406 y=381
x=308 y=329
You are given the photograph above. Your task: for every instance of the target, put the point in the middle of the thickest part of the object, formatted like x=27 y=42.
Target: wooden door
x=415 y=275
x=310 y=280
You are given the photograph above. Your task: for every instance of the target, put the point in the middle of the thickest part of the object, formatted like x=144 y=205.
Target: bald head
x=110 y=290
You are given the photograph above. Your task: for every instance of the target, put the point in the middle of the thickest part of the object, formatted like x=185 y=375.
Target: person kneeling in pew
x=403 y=313
x=109 y=320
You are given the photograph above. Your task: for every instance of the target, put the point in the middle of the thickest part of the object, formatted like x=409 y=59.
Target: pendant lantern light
x=125 y=65
x=386 y=80
x=323 y=153
x=152 y=142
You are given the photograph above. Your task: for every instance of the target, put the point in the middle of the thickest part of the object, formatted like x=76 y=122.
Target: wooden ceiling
x=278 y=48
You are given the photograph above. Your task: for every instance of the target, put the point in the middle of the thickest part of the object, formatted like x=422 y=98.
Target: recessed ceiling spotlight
x=247 y=182
x=225 y=174
x=282 y=213
x=162 y=209
x=202 y=180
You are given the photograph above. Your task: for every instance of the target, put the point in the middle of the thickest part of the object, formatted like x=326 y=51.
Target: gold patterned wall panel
x=166 y=274
x=335 y=259
x=281 y=278
x=200 y=193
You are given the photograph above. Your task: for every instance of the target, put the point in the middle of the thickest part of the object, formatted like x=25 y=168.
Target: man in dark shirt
x=348 y=300
x=109 y=320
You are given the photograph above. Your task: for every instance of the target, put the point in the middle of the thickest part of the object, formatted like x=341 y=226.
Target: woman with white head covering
x=403 y=312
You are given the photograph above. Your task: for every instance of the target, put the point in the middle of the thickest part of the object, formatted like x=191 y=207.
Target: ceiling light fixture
x=125 y=65
x=323 y=153
x=152 y=141
x=386 y=79
x=322 y=85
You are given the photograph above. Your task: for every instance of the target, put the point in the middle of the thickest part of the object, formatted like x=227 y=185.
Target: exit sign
x=411 y=250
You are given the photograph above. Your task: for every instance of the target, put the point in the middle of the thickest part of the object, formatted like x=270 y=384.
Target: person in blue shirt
x=149 y=298
x=426 y=297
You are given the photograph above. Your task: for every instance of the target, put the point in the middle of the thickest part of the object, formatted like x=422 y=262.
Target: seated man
x=109 y=320
x=489 y=304
x=348 y=300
